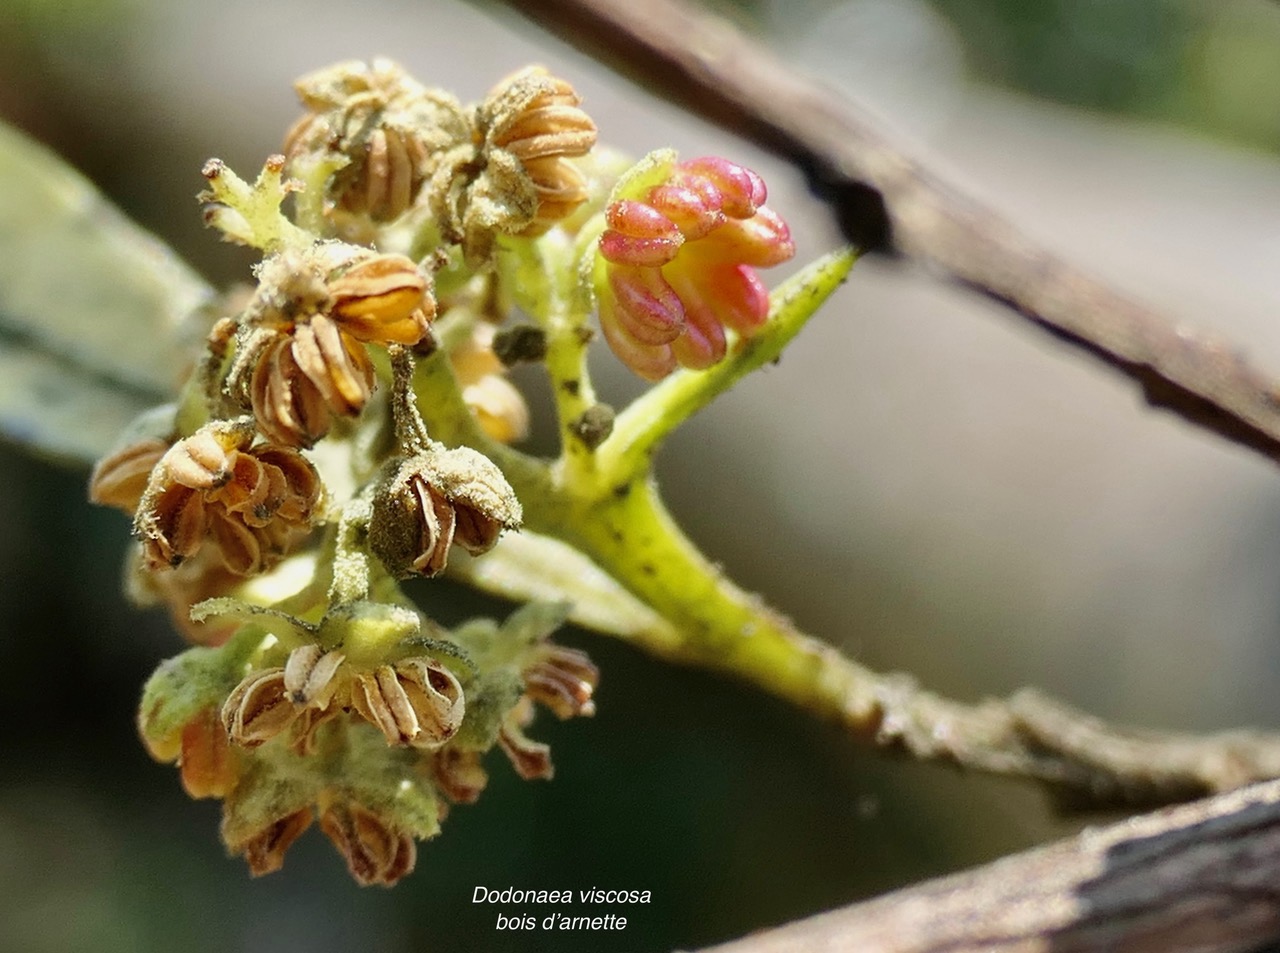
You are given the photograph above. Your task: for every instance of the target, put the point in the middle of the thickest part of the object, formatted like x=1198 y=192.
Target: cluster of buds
x=414 y=702
x=316 y=692
x=373 y=743
x=679 y=264
x=504 y=166
x=384 y=132
x=300 y=357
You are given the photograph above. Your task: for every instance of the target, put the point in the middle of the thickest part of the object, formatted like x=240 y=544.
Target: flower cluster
x=504 y=166
x=382 y=131
x=680 y=262
x=300 y=475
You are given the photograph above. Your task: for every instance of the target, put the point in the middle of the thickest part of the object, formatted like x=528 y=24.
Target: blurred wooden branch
x=887 y=201
x=1199 y=878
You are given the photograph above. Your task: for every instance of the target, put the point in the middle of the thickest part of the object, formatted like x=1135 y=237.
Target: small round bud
x=435 y=499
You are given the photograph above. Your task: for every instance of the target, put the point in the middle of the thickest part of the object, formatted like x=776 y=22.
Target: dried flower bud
x=333 y=361
x=120 y=478
x=519 y=177
x=679 y=266
x=417 y=702
x=535 y=117
x=412 y=525
x=437 y=498
x=384 y=299
x=253 y=502
x=304 y=379
x=264 y=850
x=459 y=775
x=390 y=129
x=375 y=850
x=207 y=766
x=258 y=709
x=531 y=759
x=562 y=679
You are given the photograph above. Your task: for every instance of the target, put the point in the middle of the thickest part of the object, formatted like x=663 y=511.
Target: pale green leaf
x=528 y=566
x=96 y=315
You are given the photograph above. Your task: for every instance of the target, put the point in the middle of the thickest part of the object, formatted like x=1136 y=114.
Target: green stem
x=633 y=538
x=640 y=429
x=546 y=273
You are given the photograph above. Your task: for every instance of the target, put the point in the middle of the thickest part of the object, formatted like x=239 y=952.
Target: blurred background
x=922 y=480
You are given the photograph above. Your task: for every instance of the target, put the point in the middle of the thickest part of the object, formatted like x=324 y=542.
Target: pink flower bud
x=680 y=266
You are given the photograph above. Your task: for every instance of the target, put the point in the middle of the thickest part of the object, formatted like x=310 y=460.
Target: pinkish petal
x=737 y=296
x=743 y=191
x=652 y=362
x=647 y=308
x=639 y=234
x=686 y=208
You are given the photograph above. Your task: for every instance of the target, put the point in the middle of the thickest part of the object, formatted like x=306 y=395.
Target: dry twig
x=886 y=200
x=1199 y=878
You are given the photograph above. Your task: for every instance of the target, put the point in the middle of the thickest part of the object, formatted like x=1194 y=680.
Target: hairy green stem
x=631 y=536
x=640 y=429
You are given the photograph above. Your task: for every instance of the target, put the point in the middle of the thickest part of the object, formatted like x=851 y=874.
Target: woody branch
x=887 y=201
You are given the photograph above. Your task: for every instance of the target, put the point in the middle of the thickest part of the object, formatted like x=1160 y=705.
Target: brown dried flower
x=299 y=695
x=384 y=300
x=390 y=129
x=535 y=117
x=253 y=502
x=531 y=759
x=376 y=851
x=562 y=679
x=264 y=850
x=258 y=709
x=435 y=499
x=519 y=177
x=120 y=478
x=459 y=775
x=301 y=359
x=416 y=702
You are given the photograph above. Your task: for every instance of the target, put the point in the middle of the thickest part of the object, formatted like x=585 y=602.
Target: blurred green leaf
x=96 y=314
